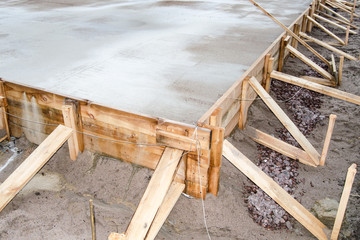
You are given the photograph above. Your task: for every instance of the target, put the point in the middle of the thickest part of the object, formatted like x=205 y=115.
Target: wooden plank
x=281 y=54
x=335 y=13
x=331 y=48
x=4 y=117
x=168 y=204
x=154 y=194
x=32 y=164
x=286 y=121
x=317 y=87
x=73 y=140
x=331 y=34
x=75 y=118
x=291 y=33
x=279 y=146
x=333 y=23
x=317 y=80
x=341 y=66
x=244 y=104
x=343 y=201
x=265 y=72
x=269 y=70
x=310 y=63
x=269 y=186
x=327 y=139
x=338 y=20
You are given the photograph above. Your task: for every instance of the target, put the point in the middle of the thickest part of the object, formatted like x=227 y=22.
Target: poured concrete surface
x=170 y=59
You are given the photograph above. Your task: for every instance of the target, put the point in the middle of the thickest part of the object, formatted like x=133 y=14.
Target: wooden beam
x=154 y=194
x=269 y=186
x=4 y=118
x=285 y=120
x=310 y=63
x=333 y=23
x=167 y=205
x=69 y=121
x=244 y=104
x=343 y=201
x=278 y=145
x=339 y=20
x=316 y=87
x=335 y=13
x=291 y=33
x=32 y=164
x=317 y=80
x=341 y=66
x=269 y=70
x=327 y=139
x=331 y=48
x=326 y=30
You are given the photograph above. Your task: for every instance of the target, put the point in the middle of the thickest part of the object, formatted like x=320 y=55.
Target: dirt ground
x=55 y=204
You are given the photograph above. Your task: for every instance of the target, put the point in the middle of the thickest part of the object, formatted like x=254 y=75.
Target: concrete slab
x=170 y=59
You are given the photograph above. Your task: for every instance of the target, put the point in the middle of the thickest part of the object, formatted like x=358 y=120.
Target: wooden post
x=329 y=132
x=167 y=205
x=266 y=65
x=294 y=42
x=343 y=201
x=32 y=164
x=303 y=24
x=283 y=44
x=3 y=117
x=92 y=219
x=268 y=78
x=244 y=103
x=217 y=138
x=333 y=70
x=269 y=186
x=311 y=14
x=285 y=120
x=347 y=35
x=316 y=87
x=341 y=65
x=291 y=33
x=154 y=195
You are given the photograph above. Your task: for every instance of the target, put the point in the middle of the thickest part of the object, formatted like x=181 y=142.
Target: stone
x=325 y=210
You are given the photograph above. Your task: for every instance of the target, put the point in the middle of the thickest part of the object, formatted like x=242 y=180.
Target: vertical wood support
x=341 y=66
x=294 y=42
x=347 y=35
x=244 y=103
x=4 y=118
x=154 y=194
x=281 y=53
x=343 y=201
x=303 y=24
x=268 y=78
x=72 y=120
x=311 y=14
x=329 y=132
x=217 y=138
x=266 y=65
x=32 y=164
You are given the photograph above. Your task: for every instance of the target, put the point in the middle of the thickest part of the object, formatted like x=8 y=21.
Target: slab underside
x=169 y=59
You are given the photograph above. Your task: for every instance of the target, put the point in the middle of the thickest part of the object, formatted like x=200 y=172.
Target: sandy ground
x=55 y=204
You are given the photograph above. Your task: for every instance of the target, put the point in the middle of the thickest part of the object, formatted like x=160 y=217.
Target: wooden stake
x=303 y=24
x=294 y=42
x=331 y=48
x=329 y=132
x=283 y=44
x=4 y=117
x=343 y=201
x=341 y=65
x=154 y=195
x=326 y=30
x=92 y=219
x=285 y=120
x=291 y=33
x=311 y=13
x=278 y=145
x=269 y=186
x=310 y=63
x=266 y=65
x=347 y=35
x=168 y=204
x=69 y=122
x=32 y=164
x=333 y=70
x=268 y=79
x=244 y=103
x=316 y=87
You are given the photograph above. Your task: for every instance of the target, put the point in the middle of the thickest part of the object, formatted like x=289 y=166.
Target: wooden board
x=154 y=194
x=278 y=145
x=32 y=164
x=167 y=205
x=286 y=121
x=316 y=87
x=269 y=186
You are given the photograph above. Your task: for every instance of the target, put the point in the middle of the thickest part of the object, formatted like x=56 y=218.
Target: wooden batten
x=32 y=164
x=294 y=42
x=317 y=80
x=338 y=20
x=268 y=78
x=333 y=23
x=341 y=65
